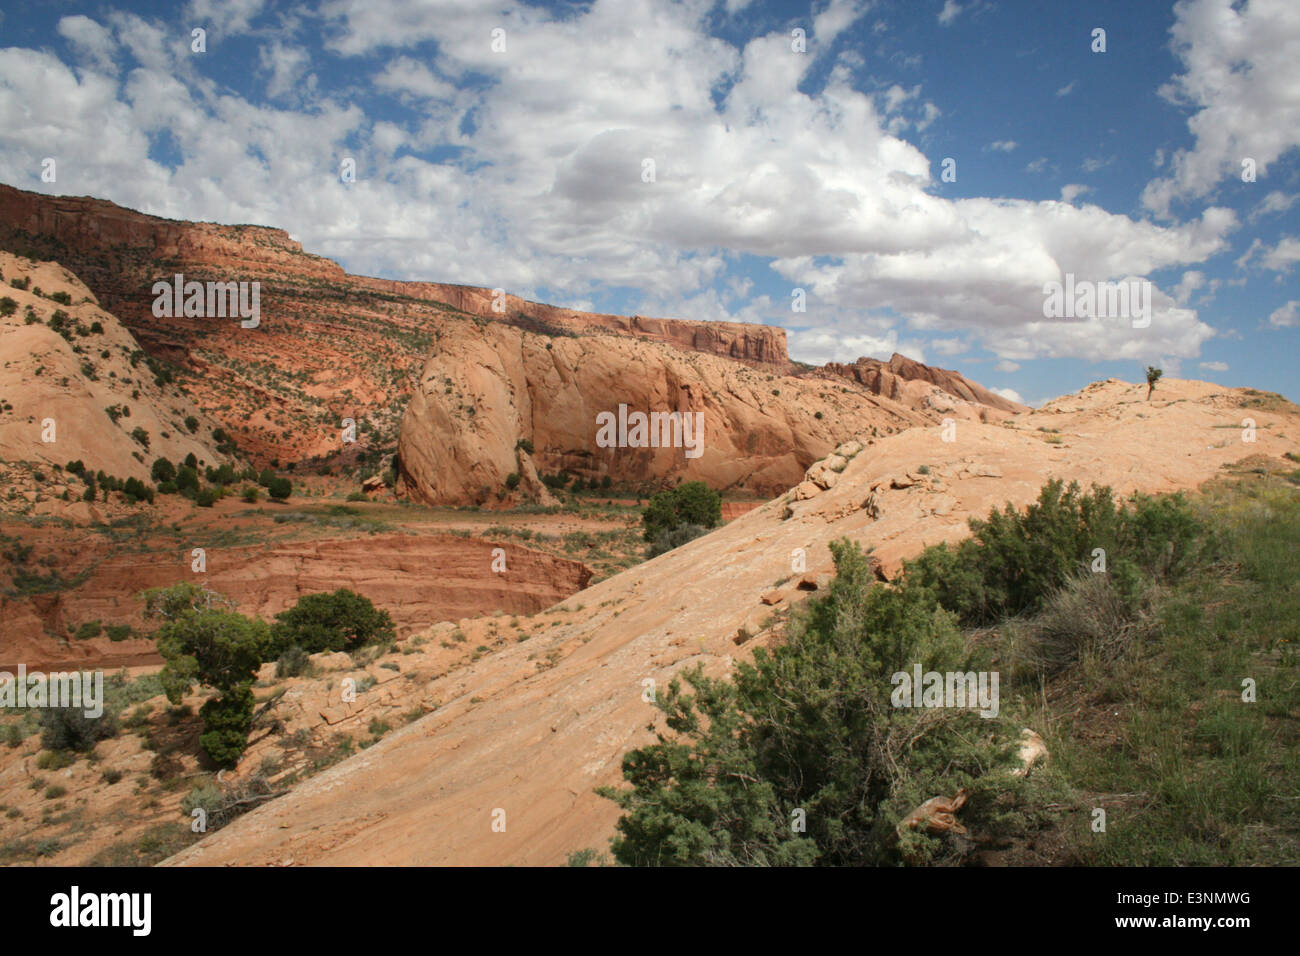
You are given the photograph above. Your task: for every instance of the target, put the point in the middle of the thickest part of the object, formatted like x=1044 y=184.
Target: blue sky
x=779 y=165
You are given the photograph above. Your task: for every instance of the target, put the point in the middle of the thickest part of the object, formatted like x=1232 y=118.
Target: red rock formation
x=418 y=579
x=891 y=379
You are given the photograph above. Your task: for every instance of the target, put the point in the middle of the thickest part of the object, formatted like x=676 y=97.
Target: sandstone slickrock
x=443 y=775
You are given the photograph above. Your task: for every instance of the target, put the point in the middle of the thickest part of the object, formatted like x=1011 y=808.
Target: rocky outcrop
x=333 y=346
x=905 y=380
x=74 y=386
x=417 y=579
x=480 y=395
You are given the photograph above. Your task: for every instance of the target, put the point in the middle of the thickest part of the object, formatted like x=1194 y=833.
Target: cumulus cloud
x=92 y=41
x=1072 y=191
x=1287 y=316
x=1008 y=393
x=547 y=186
x=1282 y=256
x=1239 y=81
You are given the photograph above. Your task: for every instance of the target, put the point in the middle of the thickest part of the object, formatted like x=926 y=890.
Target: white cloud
x=1215 y=366
x=1003 y=145
x=1282 y=256
x=93 y=42
x=288 y=68
x=1008 y=366
x=1072 y=191
x=1274 y=202
x=406 y=75
x=229 y=17
x=1191 y=281
x=1286 y=317
x=1239 y=78
x=837 y=17
x=951 y=10
x=1067 y=89
x=550 y=194
x=821 y=345
x=1008 y=393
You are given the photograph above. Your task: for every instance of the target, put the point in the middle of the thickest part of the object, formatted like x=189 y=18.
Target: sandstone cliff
x=913 y=383
x=480 y=395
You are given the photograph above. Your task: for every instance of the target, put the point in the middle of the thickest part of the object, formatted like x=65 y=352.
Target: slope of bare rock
x=417 y=579
x=533 y=727
x=480 y=395
x=91 y=383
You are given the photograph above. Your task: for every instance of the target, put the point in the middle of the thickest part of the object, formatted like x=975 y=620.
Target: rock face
x=332 y=346
x=74 y=385
x=905 y=380
x=417 y=579
x=535 y=727
x=480 y=395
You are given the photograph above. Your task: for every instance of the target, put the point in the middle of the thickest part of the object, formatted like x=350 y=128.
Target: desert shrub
x=205 y=498
x=53 y=760
x=1015 y=559
x=118 y=632
x=810 y=726
x=140 y=435
x=162 y=470
x=279 y=488
x=525 y=444
x=221 y=804
x=61 y=297
x=338 y=621
x=226 y=722
x=691 y=503
x=88 y=630
x=1086 y=618
x=250 y=494
x=8 y=306
x=136 y=490
x=201 y=643
x=223 y=475
x=191 y=423
x=68 y=728
x=187 y=481
x=512 y=480
x=293 y=662
x=667 y=540
x=357 y=496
